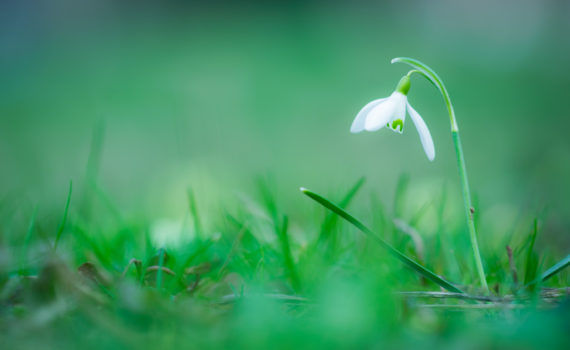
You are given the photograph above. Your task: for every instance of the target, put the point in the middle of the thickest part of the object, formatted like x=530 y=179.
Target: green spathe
x=404 y=85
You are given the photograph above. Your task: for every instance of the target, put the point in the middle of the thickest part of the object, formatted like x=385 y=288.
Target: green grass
x=268 y=278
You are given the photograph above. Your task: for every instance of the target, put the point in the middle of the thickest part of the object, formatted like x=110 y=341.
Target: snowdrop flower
x=390 y=112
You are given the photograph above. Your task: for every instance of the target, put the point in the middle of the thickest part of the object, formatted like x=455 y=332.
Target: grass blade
x=404 y=259
x=353 y=190
x=161 y=253
x=64 y=219
x=27 y=239
x=289 y=263
x=556 y=268
x=531 y=260
x=331 y=219
x=559 y=266
x=92 y=171
x=194 y=212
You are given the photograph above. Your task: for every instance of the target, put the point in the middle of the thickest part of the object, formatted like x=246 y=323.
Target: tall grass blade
x=559 y=266
x=286 y=248
x=86 y=239
x=556 y=268
x=95 y=151
x=194 y=212
x=64 y=219
x=107 y=202
x=268 y=200
x=27 y=239
x=331 y=219
x=92 y=171
x=159 y=271
x=404 y=259
x=531 y=260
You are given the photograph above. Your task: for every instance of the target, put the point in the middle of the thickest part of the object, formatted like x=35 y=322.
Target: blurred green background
x=214 y=95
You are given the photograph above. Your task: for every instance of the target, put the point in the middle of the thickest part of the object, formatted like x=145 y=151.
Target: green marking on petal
x=398 y=123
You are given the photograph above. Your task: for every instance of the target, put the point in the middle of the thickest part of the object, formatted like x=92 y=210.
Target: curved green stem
x=432 y=76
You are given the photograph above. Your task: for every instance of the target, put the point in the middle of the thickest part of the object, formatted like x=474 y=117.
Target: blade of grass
x=107 y=202
x=31 y=226
x=87 y=240
x=559 y=266
x=380 y=222
x=268 y=199
x=286 y=248
x=556 y=268
x=201 y=248
x=512 y=266
x=159 y=271
x=530 y=267
x=95 y=151
x=413 y=234
x=404 y=259
x=92 y=170
x=440 y=218
x=194 y=212
x=331 y=219
x=64 y=219
x=233 y=249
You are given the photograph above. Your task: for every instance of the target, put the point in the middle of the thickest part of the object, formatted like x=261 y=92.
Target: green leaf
x=531 y=259
x=556 y=268
x=559 y=266
x=64 y=219
x=288 y=256
x=194 y=212
x=404 y=259
x=24 y=252
x=161 y=253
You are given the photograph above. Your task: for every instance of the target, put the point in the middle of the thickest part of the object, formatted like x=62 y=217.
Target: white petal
x=397 y=122
x=358 y=123
x=425 y=136
x=384 y=112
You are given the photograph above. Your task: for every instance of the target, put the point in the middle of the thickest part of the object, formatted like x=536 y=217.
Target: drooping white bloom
x=390 y=112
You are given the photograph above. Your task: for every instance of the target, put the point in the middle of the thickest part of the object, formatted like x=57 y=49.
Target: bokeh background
x=149 y=99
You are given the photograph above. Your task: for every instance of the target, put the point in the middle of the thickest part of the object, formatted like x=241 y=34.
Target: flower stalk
x=429 y=74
